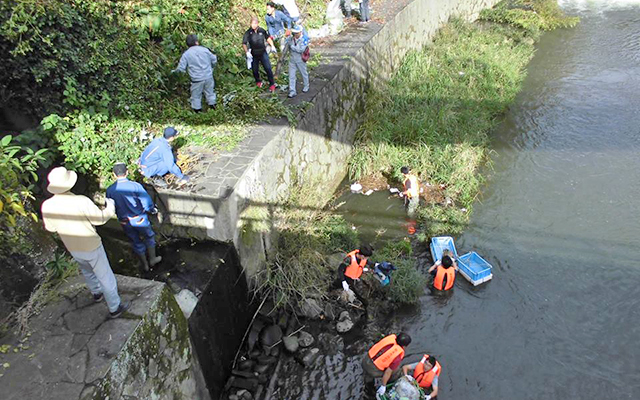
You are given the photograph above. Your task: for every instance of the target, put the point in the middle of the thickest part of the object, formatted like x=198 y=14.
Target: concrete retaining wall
x=242 y=185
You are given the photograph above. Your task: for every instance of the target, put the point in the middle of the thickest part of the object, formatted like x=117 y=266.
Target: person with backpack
x=298 y=45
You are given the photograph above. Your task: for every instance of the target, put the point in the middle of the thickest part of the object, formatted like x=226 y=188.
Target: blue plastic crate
x=475 y=268
x=440 y=244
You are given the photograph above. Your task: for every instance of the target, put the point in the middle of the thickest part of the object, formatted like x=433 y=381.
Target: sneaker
x=259 y=84
x=305 y=89
x=98 y=297
x=292 y=95
x=272 y=88
x=121 y=308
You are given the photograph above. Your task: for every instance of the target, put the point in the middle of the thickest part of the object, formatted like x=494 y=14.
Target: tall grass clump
x=407 y=282
x=534 y=16
x=307 y=234
x=436 y=113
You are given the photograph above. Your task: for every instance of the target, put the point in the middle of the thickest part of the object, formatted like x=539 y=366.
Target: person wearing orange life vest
x=445 y=273
x=426 y=373
x=384 y=358
x=354 y=264
x=411 y=190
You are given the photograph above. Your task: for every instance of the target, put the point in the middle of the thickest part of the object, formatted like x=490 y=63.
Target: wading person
x=199 y=61
x=254 y=43
x=74 y=217
x=351 y=269
x=297 y=44
x=445 y=273
x=157 y=160
x=426 y=373
x=133 y=203
x=411 y=190
x=383 y=359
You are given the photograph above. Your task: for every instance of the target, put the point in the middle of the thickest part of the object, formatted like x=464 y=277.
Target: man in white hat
x=73 y=218
x=297 y=43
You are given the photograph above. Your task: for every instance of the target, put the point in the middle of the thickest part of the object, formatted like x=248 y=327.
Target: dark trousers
x=141 y=237
x=266 y=64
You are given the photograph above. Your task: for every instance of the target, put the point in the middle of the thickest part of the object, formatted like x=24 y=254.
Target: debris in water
x=394 y=190
x=368 y=193
x=356 y=187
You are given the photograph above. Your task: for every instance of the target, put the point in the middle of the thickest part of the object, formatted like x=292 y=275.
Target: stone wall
x=76 y=352
x=274 y=157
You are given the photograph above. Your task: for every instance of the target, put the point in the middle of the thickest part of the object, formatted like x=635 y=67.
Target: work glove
x=345 y=286
x=184 y=180
x=110 y=203
x=249 y=54
x=287 y=32
x=427 y=397
x=382 y=390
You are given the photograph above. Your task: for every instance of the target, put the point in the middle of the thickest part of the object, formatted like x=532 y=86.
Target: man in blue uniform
x=132 y=205
x=157 y=159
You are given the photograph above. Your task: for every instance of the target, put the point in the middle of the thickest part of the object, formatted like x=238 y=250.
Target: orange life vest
x=425 y=378
x=441 y=272
x=383 y=360
x=414 y=190
x=354 y=269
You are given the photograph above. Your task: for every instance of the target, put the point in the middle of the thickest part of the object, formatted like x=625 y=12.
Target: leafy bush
x=407 y=283
x=17 y=174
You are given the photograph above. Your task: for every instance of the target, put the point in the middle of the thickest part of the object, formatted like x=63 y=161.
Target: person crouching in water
x=297 y=44
x=354 y=265
x=426 y=373
x=445 y=272
x=383 y=359
x=199 y=61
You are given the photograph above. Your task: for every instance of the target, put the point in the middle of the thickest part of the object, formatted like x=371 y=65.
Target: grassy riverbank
x=436 y=114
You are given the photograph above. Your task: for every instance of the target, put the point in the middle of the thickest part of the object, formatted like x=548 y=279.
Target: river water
x=559 y=220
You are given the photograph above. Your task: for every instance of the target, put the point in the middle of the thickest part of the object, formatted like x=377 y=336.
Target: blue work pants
x=141 y=237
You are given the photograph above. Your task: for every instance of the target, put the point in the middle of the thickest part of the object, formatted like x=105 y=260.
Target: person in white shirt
x=290 y=7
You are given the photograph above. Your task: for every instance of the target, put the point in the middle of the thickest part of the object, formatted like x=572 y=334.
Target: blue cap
x=169 y=132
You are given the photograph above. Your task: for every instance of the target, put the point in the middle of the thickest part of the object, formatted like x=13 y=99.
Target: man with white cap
x=297 y=44
x=73 y=218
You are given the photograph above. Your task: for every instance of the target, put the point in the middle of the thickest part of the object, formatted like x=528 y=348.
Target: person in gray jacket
x=296 y=44
x=199 y=62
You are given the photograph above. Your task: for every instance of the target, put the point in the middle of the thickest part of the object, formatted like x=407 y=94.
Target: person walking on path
x=133 y=203
x=199 y=61
x=74 y=217
x=297 y=44
x=278 y=23
x=383 y=360
x=157 y=160
x=254 y=43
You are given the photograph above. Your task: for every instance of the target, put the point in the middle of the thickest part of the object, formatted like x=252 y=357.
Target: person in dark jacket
x=157 y=159
x=199 y=61
x=133 y=204
x=254 y=43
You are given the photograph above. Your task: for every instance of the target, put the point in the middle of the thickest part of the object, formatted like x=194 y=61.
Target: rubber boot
x=153 y=259
x=144 y=264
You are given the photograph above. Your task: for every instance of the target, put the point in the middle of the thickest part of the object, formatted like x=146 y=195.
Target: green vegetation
x=101 y=71
x=533 y=16
x=307 y=235
x=435 y=115
x=407 y=283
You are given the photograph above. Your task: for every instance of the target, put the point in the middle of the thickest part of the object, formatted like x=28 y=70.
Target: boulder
x=348 y=296
x=329 y=312
x=305 y=339
x=309 y=308
x=344 y=322
x=270 y=336
x=291 y=343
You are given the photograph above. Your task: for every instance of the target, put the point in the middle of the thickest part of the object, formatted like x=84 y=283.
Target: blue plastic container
x=475 y=268
x=440 y=244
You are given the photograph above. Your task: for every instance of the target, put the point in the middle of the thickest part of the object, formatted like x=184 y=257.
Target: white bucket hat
x=296 y=29
x=61 y=180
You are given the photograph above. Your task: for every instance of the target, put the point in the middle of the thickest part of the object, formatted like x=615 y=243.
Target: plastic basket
x=475 y=268
x=440 y=244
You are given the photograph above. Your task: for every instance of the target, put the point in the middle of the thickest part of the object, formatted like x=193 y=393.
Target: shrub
x=407 y=283
x=532 y=15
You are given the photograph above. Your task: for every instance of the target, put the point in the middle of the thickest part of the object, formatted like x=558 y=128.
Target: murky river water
x=560 y=221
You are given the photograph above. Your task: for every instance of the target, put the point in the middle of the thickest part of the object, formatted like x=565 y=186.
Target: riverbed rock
x=348 y=296
x=305 y=339
x=262 y=368
x=329 y=312
x=246 y=365
x=345 y=324
x=291 y=343
x=309 y=308
x=310 y=356
x=270 y=336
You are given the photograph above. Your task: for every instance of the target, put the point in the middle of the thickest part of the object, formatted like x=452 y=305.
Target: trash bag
x=405 y=388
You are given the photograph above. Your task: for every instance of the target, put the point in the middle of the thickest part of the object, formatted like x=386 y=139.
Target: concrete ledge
x=275 y=156
x=77 y=352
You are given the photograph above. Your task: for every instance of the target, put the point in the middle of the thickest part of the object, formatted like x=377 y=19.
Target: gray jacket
x=199 y=62
x=296 y=47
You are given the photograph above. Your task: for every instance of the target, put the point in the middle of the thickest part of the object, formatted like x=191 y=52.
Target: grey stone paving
x=73 y=342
